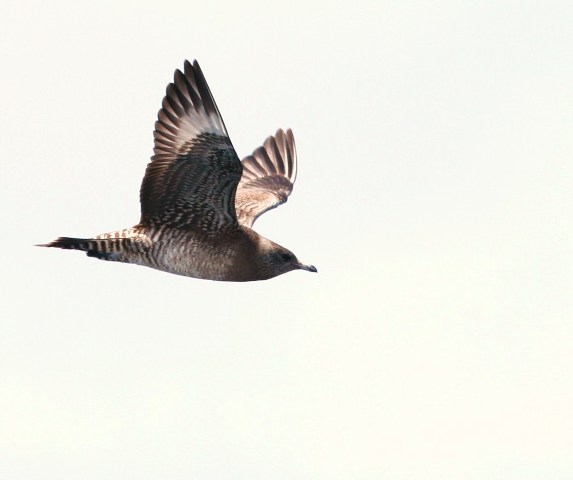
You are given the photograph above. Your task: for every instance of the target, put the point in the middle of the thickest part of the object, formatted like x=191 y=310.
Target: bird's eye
x=286 y=257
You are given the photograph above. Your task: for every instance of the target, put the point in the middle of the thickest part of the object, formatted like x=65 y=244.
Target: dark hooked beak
x=308 y=268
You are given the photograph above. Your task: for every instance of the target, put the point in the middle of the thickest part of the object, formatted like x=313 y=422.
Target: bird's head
x=275 y=260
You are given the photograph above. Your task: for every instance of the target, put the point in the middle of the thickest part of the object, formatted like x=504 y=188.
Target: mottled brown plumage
x=198 y=200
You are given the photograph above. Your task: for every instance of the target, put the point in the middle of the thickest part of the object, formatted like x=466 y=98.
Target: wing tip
x=289 y=151
x=277 y=155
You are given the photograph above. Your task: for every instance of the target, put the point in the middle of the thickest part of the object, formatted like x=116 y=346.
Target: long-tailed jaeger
x=198 y=200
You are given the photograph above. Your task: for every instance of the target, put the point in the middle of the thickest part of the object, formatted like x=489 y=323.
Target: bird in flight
x=198 y=200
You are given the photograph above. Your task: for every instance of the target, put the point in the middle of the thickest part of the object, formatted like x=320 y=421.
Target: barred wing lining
x=268 y=177
x=193 y=175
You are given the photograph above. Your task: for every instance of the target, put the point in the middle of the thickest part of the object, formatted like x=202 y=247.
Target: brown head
x=273 y=260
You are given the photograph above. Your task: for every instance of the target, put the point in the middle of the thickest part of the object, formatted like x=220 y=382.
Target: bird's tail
x=102 y=248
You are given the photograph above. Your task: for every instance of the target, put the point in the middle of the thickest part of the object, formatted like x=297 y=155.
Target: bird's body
x=231 y=257
x=199 y=201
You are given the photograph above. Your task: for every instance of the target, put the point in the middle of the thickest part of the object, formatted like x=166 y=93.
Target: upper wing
x=268 y=176
x=193 y=175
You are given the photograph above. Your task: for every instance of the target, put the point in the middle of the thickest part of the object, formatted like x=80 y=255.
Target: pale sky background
x=434 y=195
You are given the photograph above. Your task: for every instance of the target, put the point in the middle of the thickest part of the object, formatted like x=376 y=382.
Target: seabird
x=198 y=200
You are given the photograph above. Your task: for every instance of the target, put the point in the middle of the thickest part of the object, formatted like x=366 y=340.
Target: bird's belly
x=189 y=257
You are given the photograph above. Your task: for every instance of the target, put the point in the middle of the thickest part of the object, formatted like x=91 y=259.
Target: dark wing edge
x=268 y=177
x=194 y=161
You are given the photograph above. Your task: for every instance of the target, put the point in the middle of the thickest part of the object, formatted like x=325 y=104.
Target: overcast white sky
x=434 y=195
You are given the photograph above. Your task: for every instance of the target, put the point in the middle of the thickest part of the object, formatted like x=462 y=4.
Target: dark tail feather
x=104 y=249
x=69 y=243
